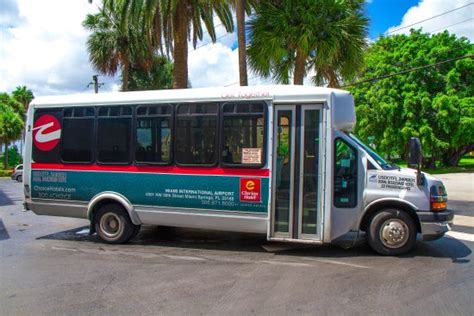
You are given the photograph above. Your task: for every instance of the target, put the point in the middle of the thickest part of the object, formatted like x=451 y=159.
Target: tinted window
x=153 y=137
x=345 y=174
x=243 y=134
x=196 y=127
x=114 y=134
x=78 y=135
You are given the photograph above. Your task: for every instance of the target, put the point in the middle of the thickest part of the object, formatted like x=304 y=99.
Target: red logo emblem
x=46 y=132
x=250 y=190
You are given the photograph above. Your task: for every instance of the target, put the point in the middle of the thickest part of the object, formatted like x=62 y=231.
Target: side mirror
x=416 y=157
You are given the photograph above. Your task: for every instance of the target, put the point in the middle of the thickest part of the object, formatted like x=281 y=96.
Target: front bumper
x=435 y=224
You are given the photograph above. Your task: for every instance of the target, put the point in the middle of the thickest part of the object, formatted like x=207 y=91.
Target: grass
x=5 y=173
x=466 y=164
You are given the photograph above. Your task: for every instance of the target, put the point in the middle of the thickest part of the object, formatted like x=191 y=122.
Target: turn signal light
x=438 y=206
x=438 y=198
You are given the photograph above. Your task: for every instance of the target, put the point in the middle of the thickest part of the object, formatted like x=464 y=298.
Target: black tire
x=391 y=232
x=19 y=178
x=113 y=225
x=136 y=230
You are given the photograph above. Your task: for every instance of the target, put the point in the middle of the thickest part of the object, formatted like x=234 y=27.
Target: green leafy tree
x=8 y=101
x=11 y=122
x=433 y=103
x=115 y=42
x=294 y=37
x=23 y=95
x=159 y=76
x=14 y=157
x=170 y=24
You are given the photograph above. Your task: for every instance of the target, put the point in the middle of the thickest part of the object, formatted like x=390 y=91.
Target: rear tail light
x=438 y=198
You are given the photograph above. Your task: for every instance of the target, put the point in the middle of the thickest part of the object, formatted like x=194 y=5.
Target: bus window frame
x=172 y=127
x=131 y=149
x=175 y=133
x=94 y=135
x=265 y=131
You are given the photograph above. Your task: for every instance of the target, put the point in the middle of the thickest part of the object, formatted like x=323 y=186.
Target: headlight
x=438 y=198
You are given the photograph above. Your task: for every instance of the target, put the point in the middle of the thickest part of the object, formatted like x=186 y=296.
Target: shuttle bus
x=276 y=160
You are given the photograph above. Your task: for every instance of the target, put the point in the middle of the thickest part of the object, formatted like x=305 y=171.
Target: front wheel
x=392 y=232
x=113 y=225
x=19 y=178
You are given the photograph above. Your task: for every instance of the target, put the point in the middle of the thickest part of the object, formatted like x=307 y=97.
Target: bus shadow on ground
x=161 y=236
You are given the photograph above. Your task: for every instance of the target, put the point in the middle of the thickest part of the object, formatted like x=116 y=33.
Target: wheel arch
x=378 y=205
x=111 y=197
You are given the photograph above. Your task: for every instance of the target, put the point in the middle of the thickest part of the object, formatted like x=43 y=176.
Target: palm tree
x=171 y=23
x=159 y=76
x=114 y=43
x=23 y=95
x=11 y=122
x=294 y=37
x=241 y=7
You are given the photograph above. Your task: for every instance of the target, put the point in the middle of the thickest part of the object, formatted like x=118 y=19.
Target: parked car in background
x=18 y=173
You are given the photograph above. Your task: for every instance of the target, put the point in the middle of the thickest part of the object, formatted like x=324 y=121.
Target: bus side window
x=345 y=174
x=78 y=135
x=114 y=134
x=243 y=136
x=196 y=134
x=153 y=134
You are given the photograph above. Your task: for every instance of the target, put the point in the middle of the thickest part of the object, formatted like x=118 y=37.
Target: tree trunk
x=240 y=8
x=300 y=64
x=332 y=80
x=180 y=49
x=429 y=162
x=125 y=73
x=452 y=157
x=6 y=156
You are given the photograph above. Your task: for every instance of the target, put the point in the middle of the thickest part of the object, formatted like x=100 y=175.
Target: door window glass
x=283 y=172
x=345 y=174
x=310 y=156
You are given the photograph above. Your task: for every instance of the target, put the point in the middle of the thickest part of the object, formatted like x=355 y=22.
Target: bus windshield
x=382 y=162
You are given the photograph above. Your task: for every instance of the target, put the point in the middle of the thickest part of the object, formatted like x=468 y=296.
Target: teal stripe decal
x=245 y=194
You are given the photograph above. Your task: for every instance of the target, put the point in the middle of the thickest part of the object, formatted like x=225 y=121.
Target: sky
x=42 y=43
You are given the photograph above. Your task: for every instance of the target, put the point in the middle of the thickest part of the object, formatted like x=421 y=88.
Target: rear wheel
x=19 y=178
x=392 y=232
x=113 y=225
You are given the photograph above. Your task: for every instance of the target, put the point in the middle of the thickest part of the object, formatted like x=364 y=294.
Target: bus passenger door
x=296 y=194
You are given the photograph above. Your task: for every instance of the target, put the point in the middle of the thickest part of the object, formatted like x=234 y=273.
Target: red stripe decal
x=157 y=169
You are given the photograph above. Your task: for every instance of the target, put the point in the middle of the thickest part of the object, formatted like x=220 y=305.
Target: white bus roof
x=277 y=93
x=340 y=101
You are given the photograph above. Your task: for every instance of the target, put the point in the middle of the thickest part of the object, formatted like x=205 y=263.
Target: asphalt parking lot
x=50 y=266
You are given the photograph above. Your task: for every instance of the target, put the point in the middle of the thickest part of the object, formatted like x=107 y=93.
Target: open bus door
x=297 y=163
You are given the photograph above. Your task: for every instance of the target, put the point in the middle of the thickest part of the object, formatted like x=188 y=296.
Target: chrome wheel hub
x=394 y=233
x=111 y=225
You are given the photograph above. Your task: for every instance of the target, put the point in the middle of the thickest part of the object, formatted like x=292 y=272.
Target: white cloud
x=459 y=22
x=45 y=50
x=43 y=46
x=213 y=65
